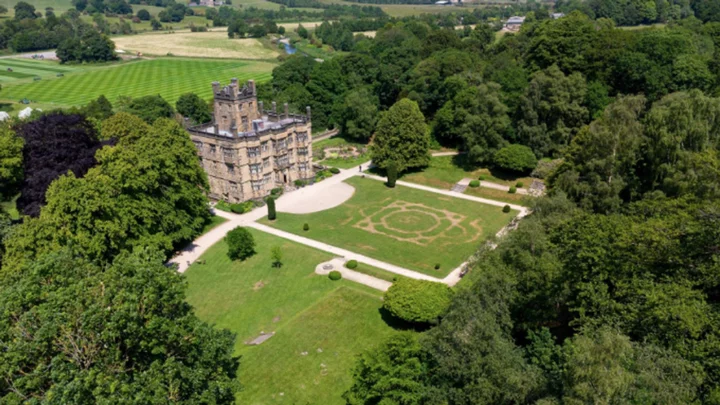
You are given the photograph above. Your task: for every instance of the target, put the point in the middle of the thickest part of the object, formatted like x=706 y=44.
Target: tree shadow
x=506 y=175
x=7 y=107
x=400 y=324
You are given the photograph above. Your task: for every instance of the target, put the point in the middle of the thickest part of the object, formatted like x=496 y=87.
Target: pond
x=289 y=48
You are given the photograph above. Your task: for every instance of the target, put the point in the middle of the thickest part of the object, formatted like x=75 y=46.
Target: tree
x=516 y=158
x=91 y=47
x=124 y=128
x=396 y=372
x=24 y=11
x=476 y=119
x=97 y=327
x=356 y=114
x=564 y=42
x=302 y=31
x=296 y=69
x=148 y=191
x=401 y=137
x=99 y=109
x=551 y=111
x=271 y=209
x=276 y=255
x=144 y=15
x=55 y=143
x=155 y=24
x=419 y=301
x=11 y=162
x=241 y=244
x=150 y=108
x=392 y=174
x=193 y=107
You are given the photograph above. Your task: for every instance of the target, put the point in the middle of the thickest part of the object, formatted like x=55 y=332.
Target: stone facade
x=247 y=151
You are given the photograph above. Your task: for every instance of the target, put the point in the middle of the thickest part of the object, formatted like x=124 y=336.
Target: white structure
x=4 y=116
x=26 y=112
x=555 y=16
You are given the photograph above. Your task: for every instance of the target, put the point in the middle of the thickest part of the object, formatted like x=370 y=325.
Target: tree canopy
x=402 y=138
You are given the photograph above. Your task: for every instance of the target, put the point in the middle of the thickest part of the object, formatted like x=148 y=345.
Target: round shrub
x=241 y=244
x=516 y=158
x=506 y=209
x=351 y=264
x=334 y=170
x=437 y=266
x=419 y=301
x=335 y=275
x=519 y=184
x=306 y=227
x=512 y=190
x=474 y=183
x=482 y=177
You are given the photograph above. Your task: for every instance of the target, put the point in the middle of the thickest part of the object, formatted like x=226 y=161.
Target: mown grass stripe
x=11 y=63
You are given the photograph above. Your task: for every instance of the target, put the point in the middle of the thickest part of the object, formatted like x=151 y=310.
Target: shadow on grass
x=400 y=324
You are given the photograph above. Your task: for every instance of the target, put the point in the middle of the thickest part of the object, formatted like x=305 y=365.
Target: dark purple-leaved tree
x=54 y=143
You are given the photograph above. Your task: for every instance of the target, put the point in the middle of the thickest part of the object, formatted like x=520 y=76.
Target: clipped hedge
x=506 y=209
x=519 y=184
x=418 y=301
x=474 y=183
x=335 y=275
x=242 y=208
x=512 y=190
x=306 y=227
x=351 y=264
x=334 y=170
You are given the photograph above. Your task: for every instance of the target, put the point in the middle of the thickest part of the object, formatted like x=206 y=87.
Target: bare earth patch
x=197 y=44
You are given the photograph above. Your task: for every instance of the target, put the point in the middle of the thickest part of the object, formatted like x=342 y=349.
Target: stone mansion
x=247 y=151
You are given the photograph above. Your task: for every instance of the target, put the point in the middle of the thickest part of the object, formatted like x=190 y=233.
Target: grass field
x=403 y=226
x=169 y=78
x=23 y=68
x=198 y=44
x=445 y=171
x=306 y=311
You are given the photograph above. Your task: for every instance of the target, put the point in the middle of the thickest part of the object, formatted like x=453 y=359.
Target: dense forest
x=609 y=291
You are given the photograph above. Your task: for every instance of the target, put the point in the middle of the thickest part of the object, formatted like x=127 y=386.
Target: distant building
x=442 y=3
x=206 y=3
x=514 y=23
x=247 y=151
x=555 y=16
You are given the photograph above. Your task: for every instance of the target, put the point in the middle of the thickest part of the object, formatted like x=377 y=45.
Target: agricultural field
x=407 y=227
x=320 y=325
x=215 y=44
x=59 y=6
x=167 y=77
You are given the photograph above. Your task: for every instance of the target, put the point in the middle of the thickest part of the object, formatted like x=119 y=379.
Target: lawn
x=445 y=171
x=332 y=159
x=403 y=226
x=167 y=77
x=306 y=311
x=214 y=44
x=498 y=195
x=30 y=68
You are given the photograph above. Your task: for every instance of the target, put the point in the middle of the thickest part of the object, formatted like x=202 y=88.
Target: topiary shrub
x=437 y=266
x=512 y=190
x=271 y=209
x=241 y=244
x=474 y=183
x=419 y=301
x=519 y=184
x=392 y=174
x=351 y=264
x=506 y=209
x=516 y=158
x=335 y=275
x=242 y=208
x=482 y=177
x=306 y=227
x=334 y=170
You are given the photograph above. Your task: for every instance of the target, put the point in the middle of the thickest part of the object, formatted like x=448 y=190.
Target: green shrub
x=437 y=266
x=306 y=227
x=271 y=209
x=223 y=206
x=474 y=183
x=300 y=183
x=506 y=209
x=241 y=244
x=512 y=190
x=335 y=275
x=516 y=158
x=419 y=301
x=392 y=174
x=482 y=177
x=351 y=264
x=242 y=208
x=334 y=170
x=519 y=184
x=276 y=192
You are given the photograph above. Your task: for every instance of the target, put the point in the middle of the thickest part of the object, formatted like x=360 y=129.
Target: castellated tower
x=247 y=151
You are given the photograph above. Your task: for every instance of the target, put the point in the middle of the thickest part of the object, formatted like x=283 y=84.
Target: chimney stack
x=251 y=86
x=234 y=85
x=274 y=107
x=216 y=87
x=260 y=108
x=307 y=112
x=287 y=111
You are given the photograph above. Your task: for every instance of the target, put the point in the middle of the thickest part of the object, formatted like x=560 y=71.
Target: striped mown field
x=169 y=78
x=29 y=68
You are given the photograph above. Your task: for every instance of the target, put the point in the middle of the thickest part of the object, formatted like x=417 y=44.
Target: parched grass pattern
x=420 y=224
x=169 y=78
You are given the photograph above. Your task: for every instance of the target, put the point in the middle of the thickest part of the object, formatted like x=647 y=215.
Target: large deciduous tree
x=149 y=108
x=551 y=111
x=401 y=137
x=356 y=114
x=121 y=333
x=191 y=106
x=11 y=162
x=55 y=143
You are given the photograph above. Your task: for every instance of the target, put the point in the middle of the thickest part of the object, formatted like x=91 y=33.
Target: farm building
x=514 y=23
x=247 y=151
